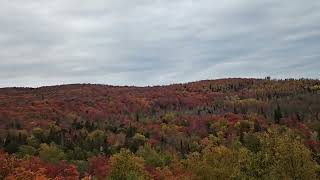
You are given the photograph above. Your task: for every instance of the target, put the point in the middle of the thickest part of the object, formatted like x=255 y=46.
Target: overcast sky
x=155 y=42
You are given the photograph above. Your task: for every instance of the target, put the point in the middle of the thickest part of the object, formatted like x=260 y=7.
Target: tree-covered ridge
x=221 y=129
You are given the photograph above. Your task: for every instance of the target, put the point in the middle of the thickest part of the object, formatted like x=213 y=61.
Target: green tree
x=11 y=147
x=136 y=141
x=33 y=141
x=26 y=150
x=277 y=115
x=51 y=153
x=38 y=133
x=97 y=140
x=126 y=166
x=168 y=117
x=152 y=157
x=76 y=154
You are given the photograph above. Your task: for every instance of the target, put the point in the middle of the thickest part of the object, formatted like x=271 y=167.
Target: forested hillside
x=213 y=129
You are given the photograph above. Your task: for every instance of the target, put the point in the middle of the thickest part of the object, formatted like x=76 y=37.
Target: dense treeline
x=222 y=129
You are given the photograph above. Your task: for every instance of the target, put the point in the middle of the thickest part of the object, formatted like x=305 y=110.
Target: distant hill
x=31 y=107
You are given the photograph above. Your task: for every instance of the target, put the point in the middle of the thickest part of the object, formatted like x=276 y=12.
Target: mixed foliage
x=221 y=129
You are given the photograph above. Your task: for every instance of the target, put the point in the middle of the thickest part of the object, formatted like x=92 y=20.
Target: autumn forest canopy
x=212 y=129
x=159 y=90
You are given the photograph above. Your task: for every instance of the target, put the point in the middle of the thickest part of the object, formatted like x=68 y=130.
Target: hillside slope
x=42 y=106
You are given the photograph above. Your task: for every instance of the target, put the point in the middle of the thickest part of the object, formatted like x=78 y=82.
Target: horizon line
x=159 y=85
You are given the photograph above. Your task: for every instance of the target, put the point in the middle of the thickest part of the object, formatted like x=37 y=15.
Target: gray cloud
x=151 y=42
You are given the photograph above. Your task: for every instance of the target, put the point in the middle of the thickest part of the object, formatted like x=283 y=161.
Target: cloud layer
x=152 y=42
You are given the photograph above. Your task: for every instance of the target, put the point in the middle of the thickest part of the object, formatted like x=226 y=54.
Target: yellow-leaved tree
x=125 y=165
x=284 y=156
x=278 y=156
